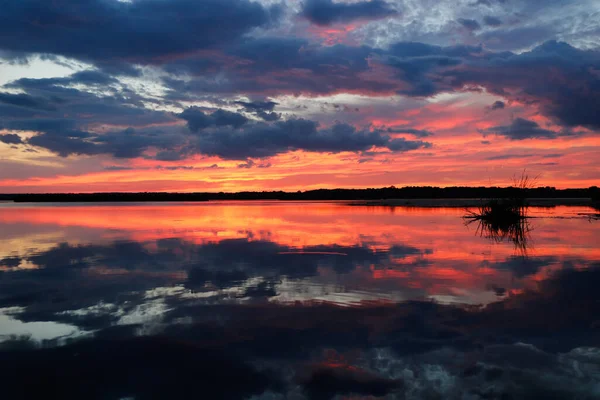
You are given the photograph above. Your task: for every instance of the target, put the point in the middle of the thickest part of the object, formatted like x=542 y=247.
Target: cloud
x=255 y=106
x=509 y=156
x=327 y=382
x=421 y=67
x=521 y=266
x=470 y=24
x=570 y=99
x=198 y=120
x=250 y=163
x=261 y=139
x=227 y=263
x=520 y=129
x=92 y=113
x=492 y=21
x=143 y=367
x=488 y=2
x=10 y=262
x=421 y=133
x=222 y=133
x=519 y=37
x=262 y=109
x=25 y=100
x=295 y=66
x=142 y=31
x=77 y=96
x=11 y=138
x=326 y=12
x=497 y=105
x=128 y=143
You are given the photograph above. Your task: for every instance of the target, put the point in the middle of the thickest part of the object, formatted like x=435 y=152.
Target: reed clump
x=505 y=219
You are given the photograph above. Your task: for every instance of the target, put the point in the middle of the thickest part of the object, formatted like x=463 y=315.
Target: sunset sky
x=231 y=95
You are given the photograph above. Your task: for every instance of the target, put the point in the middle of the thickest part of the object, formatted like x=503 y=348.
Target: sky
x=232 y=95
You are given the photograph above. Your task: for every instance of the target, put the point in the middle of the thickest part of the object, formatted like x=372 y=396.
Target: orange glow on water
x=418 y=248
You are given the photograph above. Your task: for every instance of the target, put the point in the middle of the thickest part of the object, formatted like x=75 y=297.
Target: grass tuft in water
x=505 y=219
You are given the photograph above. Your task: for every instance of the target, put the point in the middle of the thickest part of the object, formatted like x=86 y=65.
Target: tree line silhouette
x=391 y=192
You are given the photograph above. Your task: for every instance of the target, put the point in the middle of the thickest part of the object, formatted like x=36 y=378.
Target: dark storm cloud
x=11 y=138
x=327 y=12
x=470 y=24
x=520 y=129
x=108 y=31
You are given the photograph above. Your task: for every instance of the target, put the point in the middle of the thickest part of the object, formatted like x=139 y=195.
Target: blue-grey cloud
x=108 y=32
x=257 y=105
x=570 y=99
x=262 y=109
x=497 y=105
x=327 y=12
x=66 y=112
x=509 y=156
x=520 y=129
x=260 y=140
x=198 y=120
x=416 y=132
x=292 y=66
x=27 y=101
x=10 y=138
x=470 y=24
x=492 y=21
x=520 y=37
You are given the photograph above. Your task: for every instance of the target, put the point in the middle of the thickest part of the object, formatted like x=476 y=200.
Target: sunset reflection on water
x=251 y=269
x=349 y=253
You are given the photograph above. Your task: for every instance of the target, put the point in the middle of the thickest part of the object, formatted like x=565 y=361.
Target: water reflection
x=308 y=299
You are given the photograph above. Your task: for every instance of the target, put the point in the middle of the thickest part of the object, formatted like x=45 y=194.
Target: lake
x=274 y=300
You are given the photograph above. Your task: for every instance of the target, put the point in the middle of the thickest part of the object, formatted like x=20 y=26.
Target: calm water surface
x=295 y=300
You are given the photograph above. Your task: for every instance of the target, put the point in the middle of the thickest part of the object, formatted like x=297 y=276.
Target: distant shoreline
x=462 y=203
x=388 y=196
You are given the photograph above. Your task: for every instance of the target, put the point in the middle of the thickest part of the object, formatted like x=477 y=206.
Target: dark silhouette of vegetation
x=502 y=219
x=409 y=192
x=595 y=195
